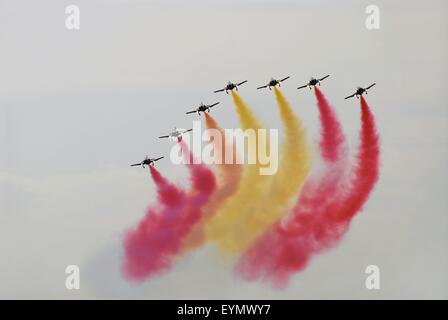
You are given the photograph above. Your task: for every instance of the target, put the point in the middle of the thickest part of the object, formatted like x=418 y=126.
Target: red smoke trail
x=152 y=245
x=366 y=171
x=333 y=139
x=322 y=214
x=154 y=239
x=168 y=194
x=203 y=185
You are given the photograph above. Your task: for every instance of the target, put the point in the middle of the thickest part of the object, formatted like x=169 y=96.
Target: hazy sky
x=77 y=107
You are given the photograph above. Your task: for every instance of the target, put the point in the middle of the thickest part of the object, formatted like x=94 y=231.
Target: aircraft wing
x=194 y=111
x=370 y=86
x=164 y=136
x=241 y=83
x=262 y=87
x=285 y=79
x=157 y=159
x=302 y=87
x=350 y=96
x=221 y=90
x=324 y=77
x=136 y=164
x=212 y=105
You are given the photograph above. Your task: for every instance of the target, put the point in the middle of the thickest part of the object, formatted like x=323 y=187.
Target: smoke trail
x=154 y=238
x=366 y=171
x=294 y=167
x=152 y=245
x=224 y=228
x=228 y=182
x=332 y=142
x=288 y=245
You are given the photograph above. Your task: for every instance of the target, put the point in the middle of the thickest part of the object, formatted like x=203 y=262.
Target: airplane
x=360 y=91
x=147 y=161
x=177 y=133
x=203 y=108
x=313 y=82
x=272 y=83
x=230 y=86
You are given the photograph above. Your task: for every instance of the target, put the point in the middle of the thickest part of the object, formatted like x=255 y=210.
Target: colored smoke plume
x=225 y=228
x=228 y=181
x=151 y=246
x=294 y=167
x=323 y=212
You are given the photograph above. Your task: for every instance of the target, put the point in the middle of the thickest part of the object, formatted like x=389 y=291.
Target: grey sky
x=77 y=107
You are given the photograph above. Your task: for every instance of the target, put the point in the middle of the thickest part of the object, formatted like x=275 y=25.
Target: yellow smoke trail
x=257 y=205
x=228 y=181
x=225 y=227
x=294 y=167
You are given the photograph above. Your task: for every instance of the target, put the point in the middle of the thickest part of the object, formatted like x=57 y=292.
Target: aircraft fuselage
x=313 y=82
x=273 y=83
x=230 y=86
x=360 y=91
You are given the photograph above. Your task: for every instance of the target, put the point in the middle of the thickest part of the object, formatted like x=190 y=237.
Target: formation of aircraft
x=147 y=162
x=313 y=82
x=273 y=82
x=360 y=91
x=203 y=108
x=177 y=133
x=230 y=86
